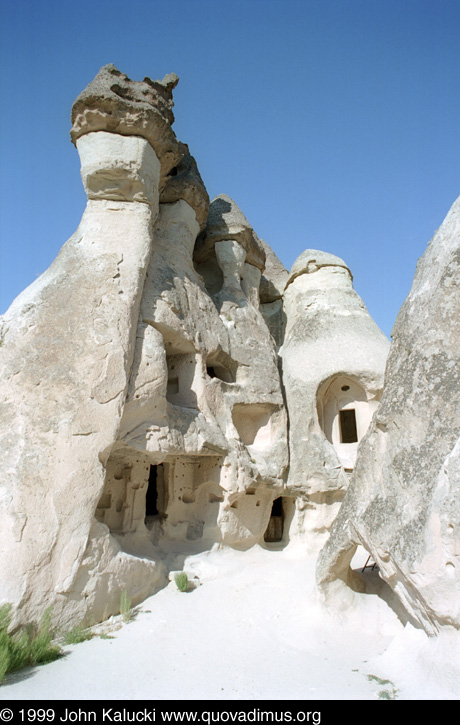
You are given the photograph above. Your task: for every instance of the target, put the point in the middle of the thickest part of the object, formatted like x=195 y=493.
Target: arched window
x=344 y=414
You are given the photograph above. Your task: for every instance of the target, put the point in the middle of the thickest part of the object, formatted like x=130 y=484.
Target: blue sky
x=333 y=124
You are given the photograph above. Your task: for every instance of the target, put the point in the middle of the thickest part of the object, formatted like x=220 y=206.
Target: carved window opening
x=220 y=372
x=275 y=528
x=221 y=366
x=181 y=374
x=348 y=429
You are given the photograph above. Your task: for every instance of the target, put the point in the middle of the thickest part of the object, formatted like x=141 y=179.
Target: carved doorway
x=275 y=528
x=155 y=494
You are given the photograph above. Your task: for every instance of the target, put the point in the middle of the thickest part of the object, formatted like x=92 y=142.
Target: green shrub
x=28 y=646
x=391 y=693
x=4 y=661
x=41 y=649
x=181 y=581
x=125 y=606
x=77 y=634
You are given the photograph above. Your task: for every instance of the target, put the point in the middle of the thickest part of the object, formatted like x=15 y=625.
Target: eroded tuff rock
x=204 y=402
x=141 y=411
x=274 y=277
x=403 y=504
x=141 y=405
x=333 y=359
x=227 y=222
x=184 y=182
x=113 y=102
x=66 y=355
x=272 y=284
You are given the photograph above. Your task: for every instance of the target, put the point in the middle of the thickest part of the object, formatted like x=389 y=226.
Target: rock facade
x=143 y=414
x=403 y=504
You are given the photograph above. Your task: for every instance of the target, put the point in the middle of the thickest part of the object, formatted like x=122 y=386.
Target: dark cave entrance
x=154 y=497
x=275 y=528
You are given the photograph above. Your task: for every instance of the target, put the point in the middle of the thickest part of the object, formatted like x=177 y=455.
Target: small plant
x=41 y=649
x=181 y=581
x=77 y=634
x=125 y=606
x=390 y=693
x=28 y=646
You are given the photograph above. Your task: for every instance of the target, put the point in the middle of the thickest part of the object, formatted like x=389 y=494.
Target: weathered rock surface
x=204 y=403
x=227 y=222
x=403 y=504
x=141 y=410
x=274 y=277
x=184 y=182
x=113 y=102
x=333 y=359
x=66 y=355
x=272 y=284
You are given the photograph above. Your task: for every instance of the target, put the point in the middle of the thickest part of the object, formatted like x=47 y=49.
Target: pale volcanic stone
x=118 y=362
x=118 y=167
x=142 y=407
x=120 y=367
x=311 y=260
x=403 y=504
x=333 y=358
x=271 y=288
x=220 y=429
x=66 y=355
x=274 y=277
x=227 y=222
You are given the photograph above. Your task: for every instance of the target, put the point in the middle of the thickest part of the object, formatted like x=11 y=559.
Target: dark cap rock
x=184 y=182
x=113 y=102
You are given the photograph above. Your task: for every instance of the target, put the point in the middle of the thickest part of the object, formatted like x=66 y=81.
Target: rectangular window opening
x=348 y=430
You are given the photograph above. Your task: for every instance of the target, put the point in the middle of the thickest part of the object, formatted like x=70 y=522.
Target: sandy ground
x=253 y=630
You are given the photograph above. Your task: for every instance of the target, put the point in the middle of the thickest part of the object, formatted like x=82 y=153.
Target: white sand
x=252 y=631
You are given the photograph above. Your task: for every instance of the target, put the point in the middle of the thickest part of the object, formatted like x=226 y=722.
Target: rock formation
x=333 y=361
x=403 y=504
x=67 y=352
x=142 y=410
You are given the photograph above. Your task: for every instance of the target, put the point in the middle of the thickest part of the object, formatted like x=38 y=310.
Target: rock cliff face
x=142 y=412
x=403 y=503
